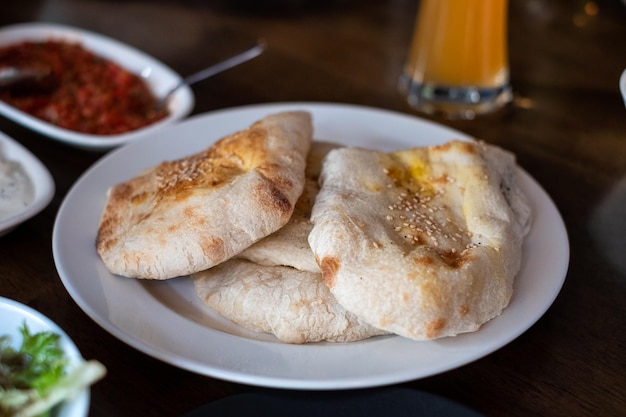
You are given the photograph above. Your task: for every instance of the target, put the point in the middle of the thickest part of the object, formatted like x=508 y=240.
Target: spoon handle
x=226 y=64
x=219 y=67
x=10 y=76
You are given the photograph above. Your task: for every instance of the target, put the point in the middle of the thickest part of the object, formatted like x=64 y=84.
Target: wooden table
x=567 y=127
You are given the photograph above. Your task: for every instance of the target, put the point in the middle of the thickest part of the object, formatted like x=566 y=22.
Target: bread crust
x=424 y=243
x=293 y=305
x=190 y=214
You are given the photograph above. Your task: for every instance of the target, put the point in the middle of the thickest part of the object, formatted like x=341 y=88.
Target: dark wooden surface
x=567 y=127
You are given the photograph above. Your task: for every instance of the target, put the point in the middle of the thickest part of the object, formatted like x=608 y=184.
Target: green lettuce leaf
x=34 y=378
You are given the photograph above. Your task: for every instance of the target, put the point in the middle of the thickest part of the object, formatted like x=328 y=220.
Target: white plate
x=12 y=317
x=159 y=78
x=167 y=321
x=42 y=181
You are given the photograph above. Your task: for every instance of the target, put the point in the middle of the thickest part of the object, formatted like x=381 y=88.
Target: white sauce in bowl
x=16 y=189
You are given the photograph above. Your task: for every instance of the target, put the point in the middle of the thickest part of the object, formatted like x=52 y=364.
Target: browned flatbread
x=424 y=243
x=188 y=215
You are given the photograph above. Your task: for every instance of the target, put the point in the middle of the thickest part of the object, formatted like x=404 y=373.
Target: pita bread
x=293 y=305
x=188 y=215
x=424 y=242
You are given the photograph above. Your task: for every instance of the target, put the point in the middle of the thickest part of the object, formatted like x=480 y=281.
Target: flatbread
x=275 y=285
x=288 y=246
x=190 y=214
x=293 y=305
x=424 y=243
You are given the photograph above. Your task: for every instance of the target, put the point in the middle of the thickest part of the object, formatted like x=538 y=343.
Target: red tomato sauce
x=90 y=95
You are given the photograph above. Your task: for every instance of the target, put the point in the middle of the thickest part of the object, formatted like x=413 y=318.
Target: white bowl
x=38 y=174
x=12 y=316
x=159 y=78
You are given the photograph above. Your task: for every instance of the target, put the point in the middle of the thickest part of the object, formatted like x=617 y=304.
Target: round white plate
x=42 y=181
x=12 y=316
x=167 y=321
x=159 y=78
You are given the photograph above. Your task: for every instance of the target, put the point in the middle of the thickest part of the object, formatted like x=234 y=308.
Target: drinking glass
x=457 y=64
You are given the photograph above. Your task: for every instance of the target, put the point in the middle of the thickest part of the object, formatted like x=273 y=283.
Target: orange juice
x=459 y=45
x=460 y=42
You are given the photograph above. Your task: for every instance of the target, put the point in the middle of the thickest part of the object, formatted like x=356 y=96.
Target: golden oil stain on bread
x=424 y=242
x=190 y=214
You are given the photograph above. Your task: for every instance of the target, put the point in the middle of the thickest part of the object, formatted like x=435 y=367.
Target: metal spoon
x=213 y=70
x=35 y=79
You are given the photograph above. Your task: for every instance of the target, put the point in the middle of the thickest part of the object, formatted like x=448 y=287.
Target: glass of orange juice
x=457 y=65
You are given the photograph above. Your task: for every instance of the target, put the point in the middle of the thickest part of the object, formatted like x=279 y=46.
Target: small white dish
x=12 y=316
x=159 y=78
x=37 y=173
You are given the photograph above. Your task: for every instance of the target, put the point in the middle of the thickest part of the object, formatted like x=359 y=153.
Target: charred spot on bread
x=434 y=327
x=455 y=259
x=273 y=198
x=329 y=267
x=464 y=310
x=213 y=247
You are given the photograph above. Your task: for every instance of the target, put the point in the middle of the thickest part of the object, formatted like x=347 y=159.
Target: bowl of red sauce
x=102 y=93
